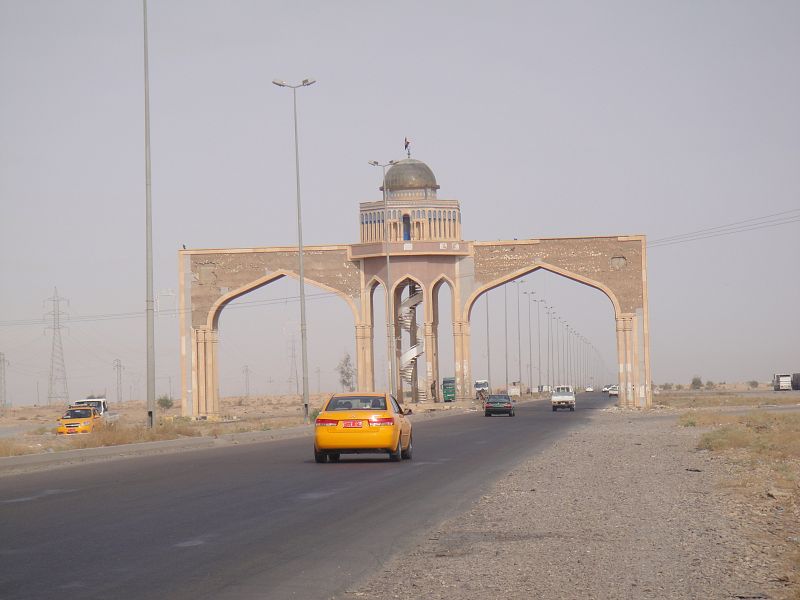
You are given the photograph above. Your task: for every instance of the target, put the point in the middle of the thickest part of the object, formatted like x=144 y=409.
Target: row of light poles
x=571 y=358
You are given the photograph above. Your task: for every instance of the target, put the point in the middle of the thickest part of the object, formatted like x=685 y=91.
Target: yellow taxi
x=362 y=422
x=78 y=419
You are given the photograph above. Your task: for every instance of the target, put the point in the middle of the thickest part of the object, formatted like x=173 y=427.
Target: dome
x=410 y=174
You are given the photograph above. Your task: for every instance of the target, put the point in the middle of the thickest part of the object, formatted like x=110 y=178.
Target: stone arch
x=216 y=308
x=470 y=302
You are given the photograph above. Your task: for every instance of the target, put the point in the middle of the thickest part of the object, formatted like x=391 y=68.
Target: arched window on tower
x=406 y=228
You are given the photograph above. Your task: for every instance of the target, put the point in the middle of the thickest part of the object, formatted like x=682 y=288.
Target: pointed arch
x=214 y=312
x=470 y=302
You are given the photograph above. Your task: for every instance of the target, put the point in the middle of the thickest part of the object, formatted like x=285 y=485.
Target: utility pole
x=57 y=391
x=150 y=326
x=118 y=368
x=519 y=342
x=505 y=328
x=4 y=404
x=246 y=370
x=488 y=347
x=319 y=386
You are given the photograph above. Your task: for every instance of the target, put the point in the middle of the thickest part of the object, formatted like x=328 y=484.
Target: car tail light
x=508 y=405
x=381 y=421
x=326 y=422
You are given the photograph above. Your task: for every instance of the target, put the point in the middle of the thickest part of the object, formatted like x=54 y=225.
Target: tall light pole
x=530 y=346
x=488 y=347
x=389 y=295
x=505 y=327
x=519 y=341
x=300 y=251
x=151 y=352
x=539 y=339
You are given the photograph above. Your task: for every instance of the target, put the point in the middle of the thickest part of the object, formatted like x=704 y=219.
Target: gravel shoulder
x=625 y=507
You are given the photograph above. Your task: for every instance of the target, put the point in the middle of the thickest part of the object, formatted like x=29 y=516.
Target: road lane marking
x=42 y=494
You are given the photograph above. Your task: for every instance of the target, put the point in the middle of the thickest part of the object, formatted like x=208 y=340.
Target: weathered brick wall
x=615 y=262
x=217 y=273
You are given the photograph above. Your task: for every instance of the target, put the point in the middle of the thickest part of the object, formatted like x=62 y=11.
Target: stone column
x=430 y=367
x=621 y=377
x=466 y=368
x=629 y=390
x=365 y=357
x=461 y=351
x=204 y=373
x=638 y=392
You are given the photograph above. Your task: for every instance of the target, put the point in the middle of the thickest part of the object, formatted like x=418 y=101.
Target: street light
x=539 y=337
x=300 y=252
x=390 y=334
x=519 y=341
x=530 y=347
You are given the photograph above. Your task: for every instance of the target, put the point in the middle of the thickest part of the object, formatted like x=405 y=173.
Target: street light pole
x=300 y=251
x=519 y=341
x=505 y=327
x=488 y=347
x=539 y=340
x=390 y=334
x=530 y=346
x=151 y=353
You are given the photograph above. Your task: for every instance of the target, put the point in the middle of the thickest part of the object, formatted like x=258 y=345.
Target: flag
x=408 y=143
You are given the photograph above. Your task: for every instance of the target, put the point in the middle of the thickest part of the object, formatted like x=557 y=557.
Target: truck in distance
x=563 y=396
x=781 y=382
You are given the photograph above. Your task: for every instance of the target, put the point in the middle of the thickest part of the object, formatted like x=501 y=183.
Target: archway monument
x=422 y=236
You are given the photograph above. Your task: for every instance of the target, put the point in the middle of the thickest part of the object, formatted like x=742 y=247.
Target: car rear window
x=497 y=398
x=78 y=413
x=357 y=403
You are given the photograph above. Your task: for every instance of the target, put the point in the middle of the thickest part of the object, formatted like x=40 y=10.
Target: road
x=252 y=521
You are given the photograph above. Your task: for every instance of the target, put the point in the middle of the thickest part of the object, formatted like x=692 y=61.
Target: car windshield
x=357 y=403
x=499 y=398
x=78 y=413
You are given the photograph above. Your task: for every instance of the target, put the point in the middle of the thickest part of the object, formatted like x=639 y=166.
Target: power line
x=766 y=221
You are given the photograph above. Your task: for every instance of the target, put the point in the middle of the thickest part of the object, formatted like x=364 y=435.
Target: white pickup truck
x=563 y=396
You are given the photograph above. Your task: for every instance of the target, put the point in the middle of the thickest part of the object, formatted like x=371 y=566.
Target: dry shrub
x=703 y=399
x=769 y=435
x=9 y=448
x=116 y=434
x=694 y=418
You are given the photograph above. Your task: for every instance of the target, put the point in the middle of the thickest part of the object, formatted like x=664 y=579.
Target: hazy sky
x=543 y=119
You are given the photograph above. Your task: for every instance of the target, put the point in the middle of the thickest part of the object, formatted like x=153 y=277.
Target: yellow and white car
x=78 y=419
x=362 y=422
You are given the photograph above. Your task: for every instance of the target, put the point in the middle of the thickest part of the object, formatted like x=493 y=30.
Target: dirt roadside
x=625 y=507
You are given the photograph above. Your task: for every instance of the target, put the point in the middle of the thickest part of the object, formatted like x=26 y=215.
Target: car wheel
x=334 y=457
x=572 y=408
x=406 y=454
x=487 y=414
x=319 y=456
x=511 y=414
x=397 y=454
x=555 y=408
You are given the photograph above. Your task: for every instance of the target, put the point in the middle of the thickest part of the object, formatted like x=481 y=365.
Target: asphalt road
x=254 y=521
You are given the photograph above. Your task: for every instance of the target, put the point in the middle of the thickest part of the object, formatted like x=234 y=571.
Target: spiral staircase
x=409 y=357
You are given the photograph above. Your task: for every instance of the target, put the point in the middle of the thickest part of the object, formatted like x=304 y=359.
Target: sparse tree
x=666 y=387
x=164 y=402
x=697 y=383
x=710 y=385
x=753 y=384
x=346 y=373
x=679 y=387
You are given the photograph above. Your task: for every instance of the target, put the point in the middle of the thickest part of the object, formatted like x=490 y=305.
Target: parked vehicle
x=606 y=388
x=100 y=404
x=589 y=388
x=796 y=381
x=481 y=385
x=781 y=382
x=563 y=397
x=613 y=390
x=498 y=404
x=362 y=422
x=448 y=389
x=514 y=390
x=78 y=419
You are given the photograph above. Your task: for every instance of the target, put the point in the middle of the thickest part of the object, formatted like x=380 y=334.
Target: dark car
x=498 y=404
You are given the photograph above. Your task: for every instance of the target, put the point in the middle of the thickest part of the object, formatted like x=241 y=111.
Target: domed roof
x=410 y=174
